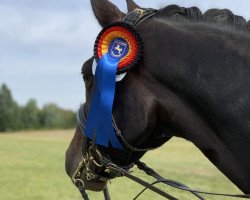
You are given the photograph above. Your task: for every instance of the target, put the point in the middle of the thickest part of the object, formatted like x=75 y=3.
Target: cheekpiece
x=120 y=41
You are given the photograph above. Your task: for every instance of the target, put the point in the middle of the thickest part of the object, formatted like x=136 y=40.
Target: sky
x=43 y=44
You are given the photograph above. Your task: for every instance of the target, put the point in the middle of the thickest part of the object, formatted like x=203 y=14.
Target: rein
x=89 y=149
x=96 y=163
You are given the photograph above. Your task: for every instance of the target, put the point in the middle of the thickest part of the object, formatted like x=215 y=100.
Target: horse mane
x=222 y=17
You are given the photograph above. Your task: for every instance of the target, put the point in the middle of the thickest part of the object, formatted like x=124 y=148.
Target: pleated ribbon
x=99 y=126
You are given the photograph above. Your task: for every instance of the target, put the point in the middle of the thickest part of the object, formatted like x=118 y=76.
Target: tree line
x=14 y=117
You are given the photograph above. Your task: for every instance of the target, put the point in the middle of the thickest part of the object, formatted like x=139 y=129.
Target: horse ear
x=106 y=12
x=131 y=5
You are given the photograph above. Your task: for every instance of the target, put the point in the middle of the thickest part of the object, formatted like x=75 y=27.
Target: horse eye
x=87 y=72
x=86 y=77
x=87 y=80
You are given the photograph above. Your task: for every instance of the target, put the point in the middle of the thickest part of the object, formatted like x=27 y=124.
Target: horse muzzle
x=94 y=170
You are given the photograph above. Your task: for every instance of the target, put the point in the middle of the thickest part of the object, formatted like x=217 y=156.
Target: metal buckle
x=76 y=178
x=93 y=150
x=139 y=11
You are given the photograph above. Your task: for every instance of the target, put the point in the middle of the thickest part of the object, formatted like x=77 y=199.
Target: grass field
x=32 y=168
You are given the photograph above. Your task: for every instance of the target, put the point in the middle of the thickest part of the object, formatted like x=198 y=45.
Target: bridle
x=133 y=19
x=94 y=158
x=96 y=163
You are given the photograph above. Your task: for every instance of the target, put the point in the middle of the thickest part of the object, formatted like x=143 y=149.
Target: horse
x=193 y=82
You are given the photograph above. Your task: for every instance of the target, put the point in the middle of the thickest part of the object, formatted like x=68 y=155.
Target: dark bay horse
x=193 y=82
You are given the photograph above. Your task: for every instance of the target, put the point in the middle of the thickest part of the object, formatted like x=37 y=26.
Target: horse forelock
x=223 y=17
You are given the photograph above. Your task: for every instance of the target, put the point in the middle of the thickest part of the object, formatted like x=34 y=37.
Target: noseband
x=97 y=165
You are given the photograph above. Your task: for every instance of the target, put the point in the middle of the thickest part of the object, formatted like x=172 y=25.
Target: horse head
x=132 y=96
x=178 y=89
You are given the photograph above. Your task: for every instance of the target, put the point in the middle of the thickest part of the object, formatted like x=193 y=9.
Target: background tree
x=9 y=111
x=30 y=115
x=52 y=116
x=14 y=117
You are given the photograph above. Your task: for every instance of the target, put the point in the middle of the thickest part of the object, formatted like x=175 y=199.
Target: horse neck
x=205 y=72
x=207 y=67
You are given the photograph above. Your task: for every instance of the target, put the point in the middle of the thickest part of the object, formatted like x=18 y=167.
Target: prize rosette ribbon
x=118 y=48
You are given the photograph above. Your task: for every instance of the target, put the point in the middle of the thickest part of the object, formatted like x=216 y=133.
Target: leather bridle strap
x=151 y=187
x=120 y=172
x=137 y=16
x=149 y=171
x=125 y=143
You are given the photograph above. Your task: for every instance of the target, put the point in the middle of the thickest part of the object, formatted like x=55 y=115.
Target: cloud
x=40 y=27
x=43 y=49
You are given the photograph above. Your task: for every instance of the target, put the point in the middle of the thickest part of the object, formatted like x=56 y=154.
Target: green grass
x=32 y=168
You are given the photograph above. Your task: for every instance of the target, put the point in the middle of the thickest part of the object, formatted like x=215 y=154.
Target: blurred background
x=43 y=44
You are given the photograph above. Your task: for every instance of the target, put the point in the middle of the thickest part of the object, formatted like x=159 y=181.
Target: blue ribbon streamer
x=99 y=126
